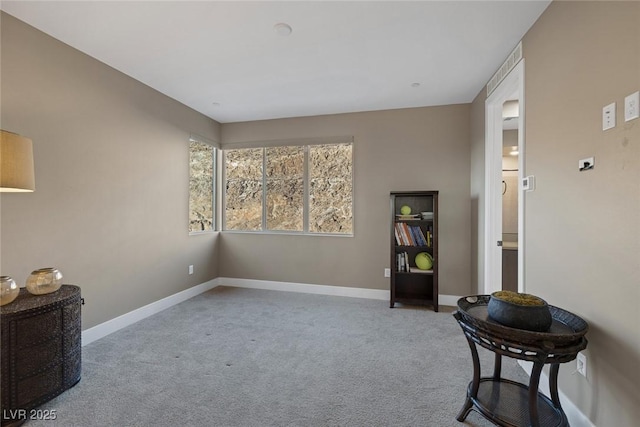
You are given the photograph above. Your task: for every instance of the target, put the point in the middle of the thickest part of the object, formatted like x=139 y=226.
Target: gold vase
x=8 y=290
x=44 y=281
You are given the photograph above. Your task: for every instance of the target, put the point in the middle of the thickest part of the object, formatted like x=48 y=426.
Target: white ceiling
x=225 y=60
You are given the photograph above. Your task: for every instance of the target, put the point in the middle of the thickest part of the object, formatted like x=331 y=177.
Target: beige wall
x=111 y=164
x=582 y=229
x=410 y=149
x=111 y=168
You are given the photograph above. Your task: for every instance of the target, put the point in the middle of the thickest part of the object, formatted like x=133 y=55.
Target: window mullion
x=305 y=197
x=214 y=183
x=264 y=189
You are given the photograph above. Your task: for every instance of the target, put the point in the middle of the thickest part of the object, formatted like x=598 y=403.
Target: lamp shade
x=16 y=163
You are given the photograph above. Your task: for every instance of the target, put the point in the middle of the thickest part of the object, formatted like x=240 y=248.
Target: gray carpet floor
x=246 y=357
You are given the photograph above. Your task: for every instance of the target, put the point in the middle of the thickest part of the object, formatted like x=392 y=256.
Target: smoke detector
x=282 y=29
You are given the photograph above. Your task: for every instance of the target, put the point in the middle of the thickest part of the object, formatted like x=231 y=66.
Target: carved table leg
x=553 y=384
x=497 y=367
x=534 y=382
x=472 y=391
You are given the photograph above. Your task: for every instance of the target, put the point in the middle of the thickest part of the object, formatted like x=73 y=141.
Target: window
x=201 y=186
x=290 y=188
x=284 y=175
x=243 y=170
x=330 y=189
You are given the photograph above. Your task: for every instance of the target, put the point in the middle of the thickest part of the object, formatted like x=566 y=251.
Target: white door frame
x=512 y=87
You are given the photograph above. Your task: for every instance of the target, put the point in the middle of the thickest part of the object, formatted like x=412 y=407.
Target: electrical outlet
x=609 y=116
x=191 y=269
x=586 y=164
x=387 y=272
x=581 y=364
x=632 y=107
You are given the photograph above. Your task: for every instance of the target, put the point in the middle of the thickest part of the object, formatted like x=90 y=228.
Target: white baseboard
x=340 y=291
x=450 y=300
x=574 y=415
x=103 y=329
x=305 y=288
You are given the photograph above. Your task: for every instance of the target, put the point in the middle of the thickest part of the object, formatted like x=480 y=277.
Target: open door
x=509 y=90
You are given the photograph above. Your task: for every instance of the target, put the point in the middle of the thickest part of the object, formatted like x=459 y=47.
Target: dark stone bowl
x=530 y=317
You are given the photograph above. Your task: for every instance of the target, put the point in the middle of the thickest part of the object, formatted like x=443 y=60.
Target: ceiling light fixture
x=514 y=150
x=282 y=29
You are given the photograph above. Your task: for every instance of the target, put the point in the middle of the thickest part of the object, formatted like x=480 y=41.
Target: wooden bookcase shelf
x=409 y=237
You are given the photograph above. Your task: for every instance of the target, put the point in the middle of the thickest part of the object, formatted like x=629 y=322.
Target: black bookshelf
x=411 y=234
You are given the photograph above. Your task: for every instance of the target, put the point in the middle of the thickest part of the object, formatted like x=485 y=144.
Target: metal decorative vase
x=44 y=281
x=9 y=290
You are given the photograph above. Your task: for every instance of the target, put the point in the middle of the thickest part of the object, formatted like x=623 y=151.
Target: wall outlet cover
x=581 y=364
x=609 y=116
x=586 y=164
x=632 y=106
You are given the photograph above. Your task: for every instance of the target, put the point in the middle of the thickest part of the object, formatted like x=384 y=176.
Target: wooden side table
x=41 y=350
x=509 y=403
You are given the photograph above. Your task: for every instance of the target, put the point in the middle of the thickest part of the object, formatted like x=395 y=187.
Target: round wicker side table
x=509 y=403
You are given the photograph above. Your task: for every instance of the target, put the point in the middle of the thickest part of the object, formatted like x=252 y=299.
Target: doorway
x=503 y=245
x=510 y=194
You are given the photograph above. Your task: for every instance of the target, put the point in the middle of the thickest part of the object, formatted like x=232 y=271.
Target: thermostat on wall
x=529 y=183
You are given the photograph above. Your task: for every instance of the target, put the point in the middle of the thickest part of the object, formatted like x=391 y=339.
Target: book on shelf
x=407 y=217
x=411 y=235
x=397 y=235
x=402 y=234
x=402 y=262
x=407 y=234
x=414 y=236
x=417 y=270
x=419 y=236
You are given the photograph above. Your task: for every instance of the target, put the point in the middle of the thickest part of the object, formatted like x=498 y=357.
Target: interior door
x=511 y=88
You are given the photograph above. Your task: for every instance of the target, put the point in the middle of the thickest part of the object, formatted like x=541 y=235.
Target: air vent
x=512 y=60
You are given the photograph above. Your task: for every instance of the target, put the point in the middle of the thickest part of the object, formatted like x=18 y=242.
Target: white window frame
x=306 y=143
x=214 y=184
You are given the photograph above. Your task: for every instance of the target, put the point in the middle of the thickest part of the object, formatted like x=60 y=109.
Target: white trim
x=321 y=140
x=512 y=85
x=505 y=68
x=576 y=417
x=449 y=300
x=306 y=288
x=340 y=291
x=521 y=175
x=110 y=326
x=103 y=329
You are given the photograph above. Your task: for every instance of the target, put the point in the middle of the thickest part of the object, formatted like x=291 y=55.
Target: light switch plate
x=529 y=183
x=609 y=116
x=632 y=107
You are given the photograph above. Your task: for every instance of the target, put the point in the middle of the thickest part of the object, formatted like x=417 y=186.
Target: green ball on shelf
x=424 y=261
x=405 y=210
